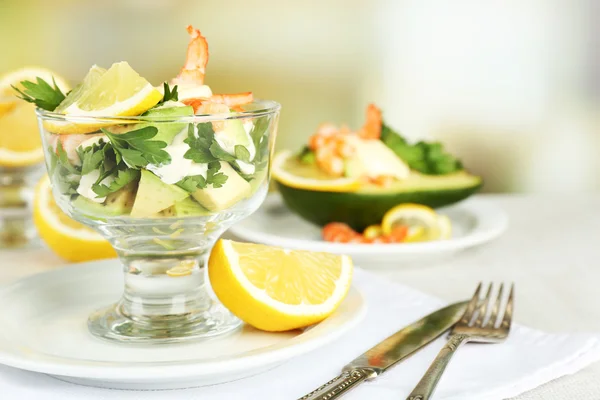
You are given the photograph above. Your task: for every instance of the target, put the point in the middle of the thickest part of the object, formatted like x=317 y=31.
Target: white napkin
x=529 y=358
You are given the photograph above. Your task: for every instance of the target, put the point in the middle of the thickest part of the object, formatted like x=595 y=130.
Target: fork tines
x=481 y=313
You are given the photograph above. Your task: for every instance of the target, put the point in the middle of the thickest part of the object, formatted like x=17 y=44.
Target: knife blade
x=390 y=351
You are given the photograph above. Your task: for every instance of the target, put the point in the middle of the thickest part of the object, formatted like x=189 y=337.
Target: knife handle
x=340 y=385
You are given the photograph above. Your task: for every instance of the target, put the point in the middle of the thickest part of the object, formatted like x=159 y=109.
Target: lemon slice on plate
x=68 y=238
x=120 y=91
x=275 y=289
x=288 y=171
x=20 y=143
x=423 y=222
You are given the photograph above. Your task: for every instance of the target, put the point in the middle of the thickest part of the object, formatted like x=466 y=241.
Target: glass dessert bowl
x=161 y=182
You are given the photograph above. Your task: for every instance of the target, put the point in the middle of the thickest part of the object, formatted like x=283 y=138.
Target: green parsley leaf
x=65 y=176
x=219 y=153
x=427 y=158
x=192 y=183
x=63 y=159
x=41 y=93
x=53 y=160
x=137 y=149
x=307 y=156
x=91 y=157
x=123 y=177
x=242 y=153
x=216 y=179
x=199 y=151
x=169 y=94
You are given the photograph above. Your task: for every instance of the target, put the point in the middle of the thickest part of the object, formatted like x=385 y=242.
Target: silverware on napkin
x=474 y=326
x=385 y=354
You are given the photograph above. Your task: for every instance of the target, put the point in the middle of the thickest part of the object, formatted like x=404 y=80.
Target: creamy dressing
x=248 y=125
x=179 y=167
x=228 y=143
x=86 y=183
x=246 y=168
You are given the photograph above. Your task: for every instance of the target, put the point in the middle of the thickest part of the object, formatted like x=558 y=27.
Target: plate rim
x=133 y=372
x=492 y=221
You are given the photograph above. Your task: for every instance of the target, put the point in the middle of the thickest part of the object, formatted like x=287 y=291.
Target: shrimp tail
x=372 y=127
x=194 y=69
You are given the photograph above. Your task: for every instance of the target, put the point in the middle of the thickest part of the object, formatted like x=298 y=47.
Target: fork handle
x=426 y=386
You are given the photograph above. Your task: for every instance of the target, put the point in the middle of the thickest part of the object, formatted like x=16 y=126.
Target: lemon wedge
x=275 y=289
x=20 y=143
x=117 y=92
x=288 y=171
x=67 y=238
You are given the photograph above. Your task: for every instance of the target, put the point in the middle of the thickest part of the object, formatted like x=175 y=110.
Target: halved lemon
x=68 y=238
x=274 y=289
x=423 y=222
x=14 y=78
x=410 y=215
x=290 y=172
x=20 y=143
x=120 y=91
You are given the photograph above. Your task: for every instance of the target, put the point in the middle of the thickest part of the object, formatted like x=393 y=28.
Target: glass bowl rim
x=267 y=107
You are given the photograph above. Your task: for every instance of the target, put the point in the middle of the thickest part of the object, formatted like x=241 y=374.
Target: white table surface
x=551 y=250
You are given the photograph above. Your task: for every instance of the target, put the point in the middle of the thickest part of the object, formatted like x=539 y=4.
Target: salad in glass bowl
x=160 y=172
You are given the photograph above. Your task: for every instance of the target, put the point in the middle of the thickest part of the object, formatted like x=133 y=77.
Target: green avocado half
x=367 y=205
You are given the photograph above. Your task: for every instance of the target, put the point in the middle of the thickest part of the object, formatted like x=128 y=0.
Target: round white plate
x=474 y=222
x=43 y=320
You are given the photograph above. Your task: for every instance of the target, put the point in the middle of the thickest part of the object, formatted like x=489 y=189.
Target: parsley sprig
x=41 y=93
x=137 y=149
x=169 y=94
x=65 y=175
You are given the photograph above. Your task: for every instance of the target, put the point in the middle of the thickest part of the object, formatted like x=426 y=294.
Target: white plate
x=474 y=222
x=43 y=320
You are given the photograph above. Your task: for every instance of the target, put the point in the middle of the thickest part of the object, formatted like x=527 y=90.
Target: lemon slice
x=416 y=234
x=120 y=91
x=275 y=289
x=411 y=215
x=289 y=172
x=20 y=143
x=68 y=238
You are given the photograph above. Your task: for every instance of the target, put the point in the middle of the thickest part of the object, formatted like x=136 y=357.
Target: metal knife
x=388 y=352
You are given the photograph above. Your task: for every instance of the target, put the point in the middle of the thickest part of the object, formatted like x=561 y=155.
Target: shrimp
x=372 y=127
x=209 y=107
x=193 y=71
x=232 y=100
x=329 y=161
x=339 y=232
x=383 y=180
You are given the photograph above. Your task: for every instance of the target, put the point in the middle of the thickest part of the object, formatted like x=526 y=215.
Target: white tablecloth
x=551 y=250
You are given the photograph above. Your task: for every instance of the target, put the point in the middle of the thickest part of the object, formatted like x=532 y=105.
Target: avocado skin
x=360 y=209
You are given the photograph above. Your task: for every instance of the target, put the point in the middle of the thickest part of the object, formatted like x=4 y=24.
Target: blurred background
x=511 y=86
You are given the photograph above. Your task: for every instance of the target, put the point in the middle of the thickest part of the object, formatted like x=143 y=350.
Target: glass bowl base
x=110 y=323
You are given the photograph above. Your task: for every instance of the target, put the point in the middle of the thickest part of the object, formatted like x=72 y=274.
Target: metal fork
x=473 y=327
